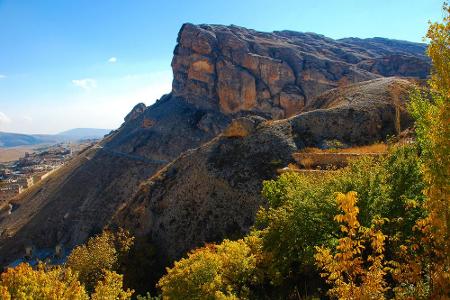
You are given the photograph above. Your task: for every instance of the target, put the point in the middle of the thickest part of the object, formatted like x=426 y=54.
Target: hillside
x=16 y=139
x=220 y=73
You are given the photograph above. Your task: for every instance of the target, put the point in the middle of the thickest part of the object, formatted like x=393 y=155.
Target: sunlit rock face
x=236 y=69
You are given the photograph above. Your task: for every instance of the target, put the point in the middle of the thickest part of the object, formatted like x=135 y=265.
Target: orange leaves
x=350 y=217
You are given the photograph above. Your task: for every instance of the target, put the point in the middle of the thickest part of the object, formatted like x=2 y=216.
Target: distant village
x=19 y=175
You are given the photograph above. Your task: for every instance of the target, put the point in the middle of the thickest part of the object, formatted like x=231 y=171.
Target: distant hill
x=8 y=139
x=17 y=139
x=85 y=133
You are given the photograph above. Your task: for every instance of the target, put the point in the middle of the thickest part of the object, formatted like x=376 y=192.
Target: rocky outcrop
x=242 y=127
x=135 y=112
x=235 y=69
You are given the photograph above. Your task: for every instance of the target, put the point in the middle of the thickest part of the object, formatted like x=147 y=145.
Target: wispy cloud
x=4 y=119
x=85 y=83
x=2 y=76
x=112 y=60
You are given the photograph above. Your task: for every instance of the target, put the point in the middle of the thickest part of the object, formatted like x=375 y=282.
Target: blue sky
x=86 y=63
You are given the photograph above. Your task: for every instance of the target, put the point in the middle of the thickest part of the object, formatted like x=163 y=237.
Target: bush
x=101 y=253
x=301 y=211
x=111 y=287
x=224 y=271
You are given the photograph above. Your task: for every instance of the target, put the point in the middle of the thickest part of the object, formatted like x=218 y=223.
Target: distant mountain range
x=8 y=139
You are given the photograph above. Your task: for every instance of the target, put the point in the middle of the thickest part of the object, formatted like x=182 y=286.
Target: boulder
x=242 y=127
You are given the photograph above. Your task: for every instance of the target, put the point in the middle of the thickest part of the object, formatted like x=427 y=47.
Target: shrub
x=111 y=287
x=352 y=274
x=223 y=271
x=301 y=210
x=101 y=253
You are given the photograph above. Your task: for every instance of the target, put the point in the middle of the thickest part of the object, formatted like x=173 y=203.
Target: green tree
x=432 y=126
x=101 y=253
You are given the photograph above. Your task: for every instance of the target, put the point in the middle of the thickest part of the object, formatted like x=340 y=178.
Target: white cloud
x=112 y=60
x=86 y=83
x=2 y=76
x=4 y=119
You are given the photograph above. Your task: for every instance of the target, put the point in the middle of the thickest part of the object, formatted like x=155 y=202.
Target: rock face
x=220 y=73
x=236 y=69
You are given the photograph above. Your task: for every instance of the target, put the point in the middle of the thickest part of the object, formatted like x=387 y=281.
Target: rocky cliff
x=235 y=69
x=220 y=73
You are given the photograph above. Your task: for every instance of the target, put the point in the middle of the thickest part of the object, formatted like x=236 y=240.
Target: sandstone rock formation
x=236 y=69
x=220 y=73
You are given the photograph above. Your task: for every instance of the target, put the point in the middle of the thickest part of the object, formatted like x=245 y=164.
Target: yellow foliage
x=439 y=52
x=111 y=287
x=429 y=273
x=101 y=253
x=57 y=283
x=23 y=282
x=352 y=275
x=222 y=271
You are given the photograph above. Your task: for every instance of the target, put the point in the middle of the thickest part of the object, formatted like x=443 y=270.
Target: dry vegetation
x=369 y=149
